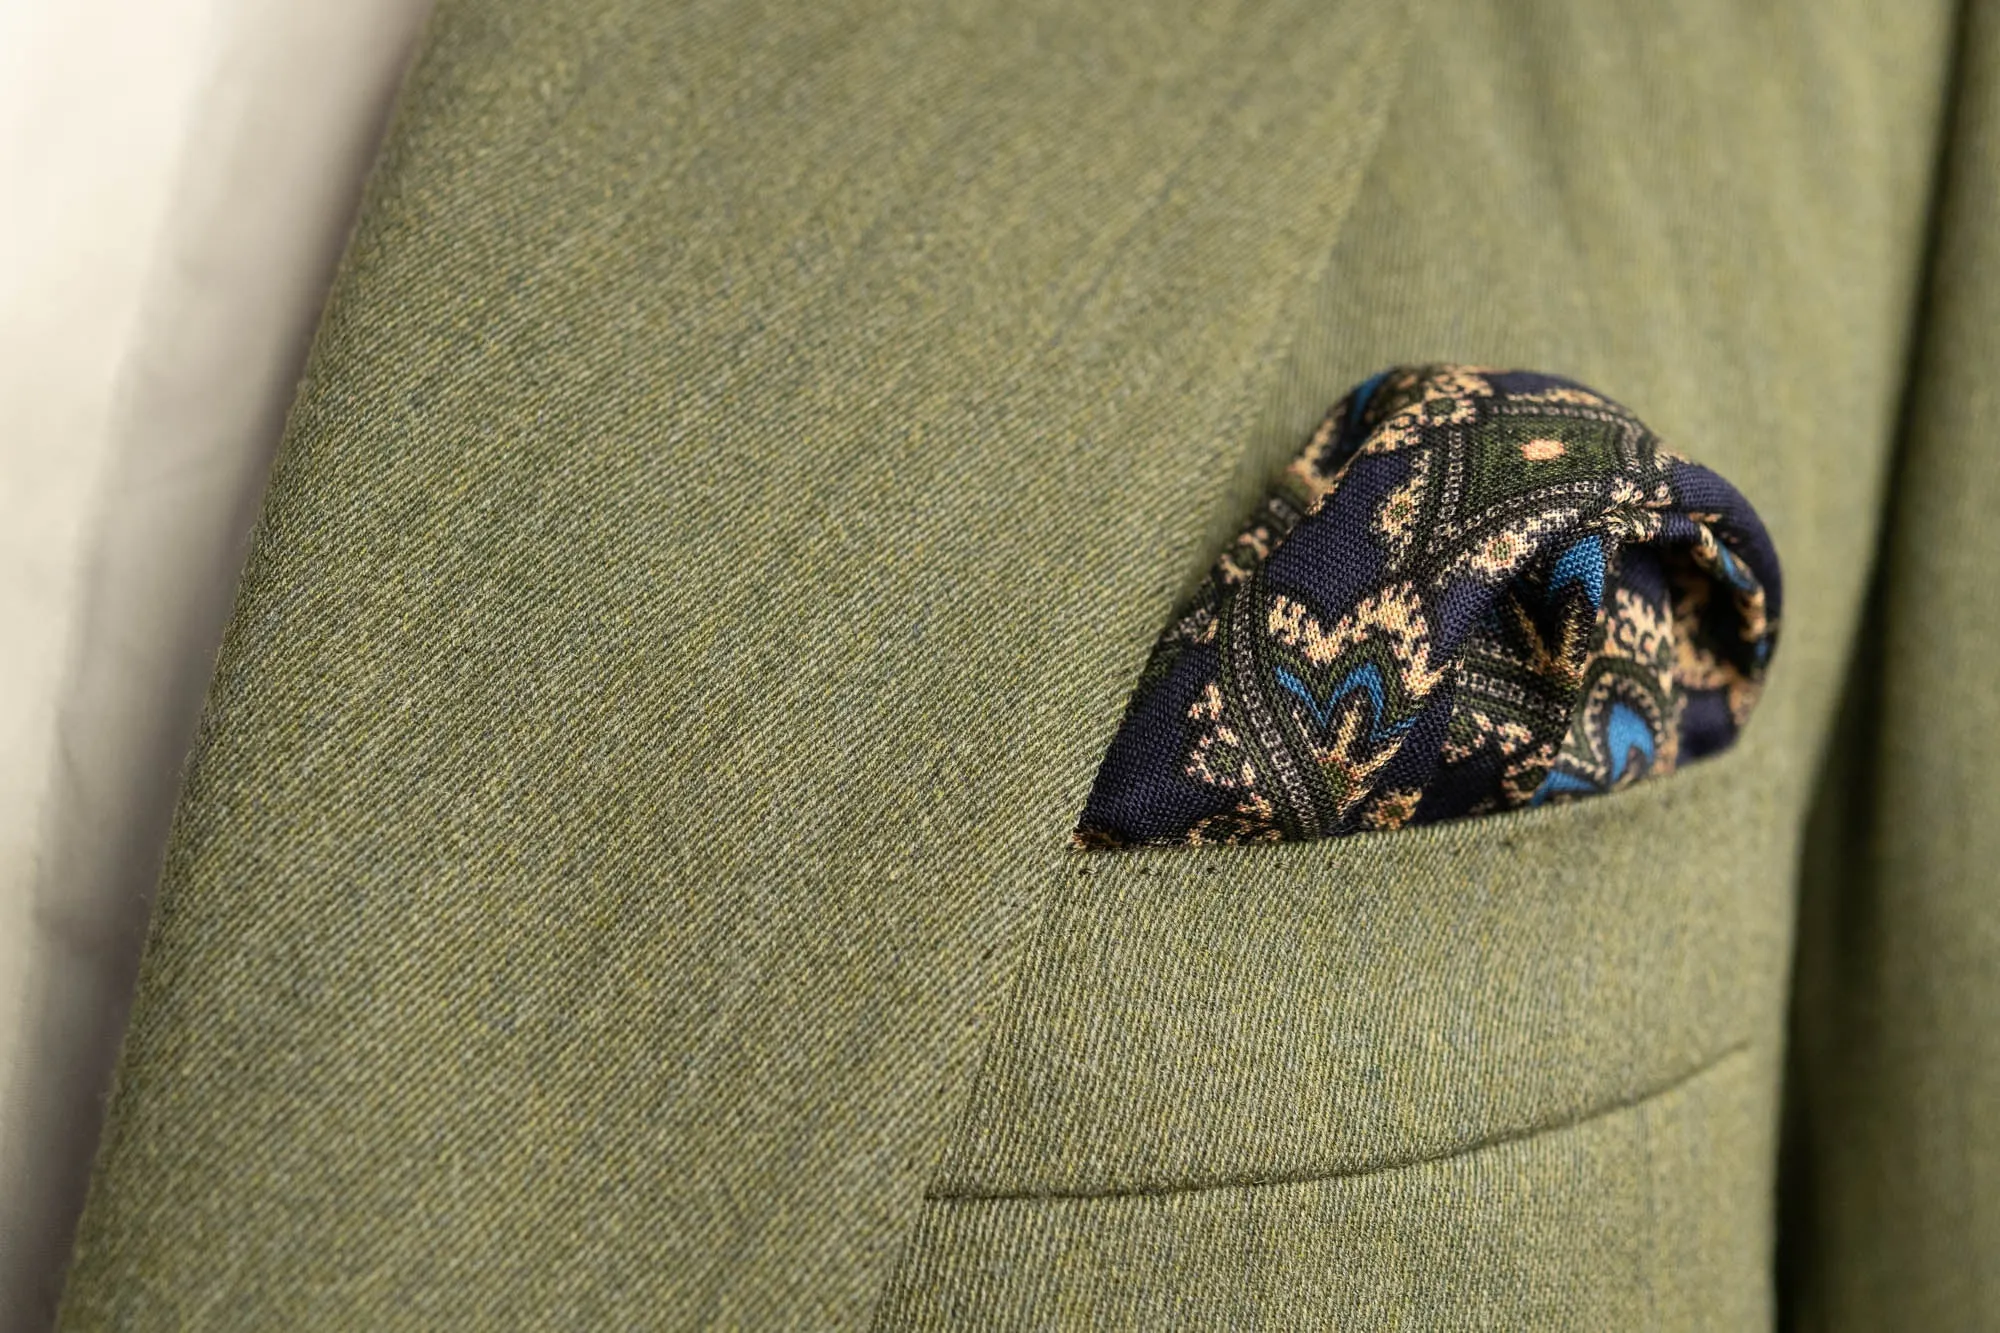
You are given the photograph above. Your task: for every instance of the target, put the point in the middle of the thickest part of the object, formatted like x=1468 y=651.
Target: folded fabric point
x=1473 y=590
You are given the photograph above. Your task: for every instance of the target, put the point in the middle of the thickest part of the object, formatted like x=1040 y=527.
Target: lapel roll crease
x=739 y=471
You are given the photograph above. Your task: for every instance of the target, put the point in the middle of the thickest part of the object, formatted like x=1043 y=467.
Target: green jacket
x=622 y=877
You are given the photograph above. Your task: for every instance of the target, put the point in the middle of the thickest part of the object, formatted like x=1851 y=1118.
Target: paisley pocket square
x=1473 y=590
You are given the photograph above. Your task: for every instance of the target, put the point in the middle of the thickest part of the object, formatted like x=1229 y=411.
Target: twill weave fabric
x=1473 y=590
x=623 y=878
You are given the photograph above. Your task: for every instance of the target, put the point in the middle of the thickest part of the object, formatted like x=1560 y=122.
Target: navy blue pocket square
x=1473 y=590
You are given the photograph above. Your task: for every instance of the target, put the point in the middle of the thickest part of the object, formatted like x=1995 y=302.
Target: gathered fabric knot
x=1473 y=590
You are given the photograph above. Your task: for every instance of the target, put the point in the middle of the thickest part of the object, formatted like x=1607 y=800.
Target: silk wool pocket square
x=1474 y=590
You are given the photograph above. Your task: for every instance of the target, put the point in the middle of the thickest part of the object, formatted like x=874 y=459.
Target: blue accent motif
x=1366 y=678
x=1625 y=732
x=1557 y=784
x=1365 y=391
x=1580 y=565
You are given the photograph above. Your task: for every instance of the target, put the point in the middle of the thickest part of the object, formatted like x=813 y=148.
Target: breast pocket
x=1201 y=1017
x=1514 y=1072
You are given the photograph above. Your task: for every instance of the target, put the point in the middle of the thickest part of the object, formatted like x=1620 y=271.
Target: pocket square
x=1473 y=590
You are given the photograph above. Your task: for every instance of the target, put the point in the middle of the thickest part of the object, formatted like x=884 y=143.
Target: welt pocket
x=1233 y=1015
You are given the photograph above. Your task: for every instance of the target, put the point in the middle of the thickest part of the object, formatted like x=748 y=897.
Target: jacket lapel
x=742 y=467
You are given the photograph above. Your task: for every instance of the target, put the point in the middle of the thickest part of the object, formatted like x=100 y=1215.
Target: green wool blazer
x=622 y=877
